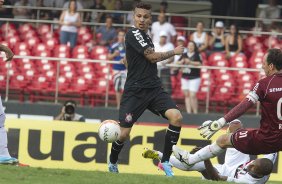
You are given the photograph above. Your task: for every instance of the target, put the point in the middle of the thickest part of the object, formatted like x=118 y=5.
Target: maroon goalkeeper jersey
x=268 y=92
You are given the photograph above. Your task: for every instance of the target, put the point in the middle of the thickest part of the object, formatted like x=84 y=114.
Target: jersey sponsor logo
x=280 y=126
x=140 y=38
x=272 y=90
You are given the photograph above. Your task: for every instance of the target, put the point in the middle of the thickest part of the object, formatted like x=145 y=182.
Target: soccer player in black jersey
x=143 y=89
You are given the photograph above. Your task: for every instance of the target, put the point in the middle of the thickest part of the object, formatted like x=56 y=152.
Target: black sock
x=116 y=148
x=171 y=138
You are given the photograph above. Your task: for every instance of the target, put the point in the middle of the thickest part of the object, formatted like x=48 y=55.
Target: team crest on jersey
x=128 y=117
x=139 y=37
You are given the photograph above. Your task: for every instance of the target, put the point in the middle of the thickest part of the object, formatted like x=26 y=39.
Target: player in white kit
x=237 y=166
x=5 y=157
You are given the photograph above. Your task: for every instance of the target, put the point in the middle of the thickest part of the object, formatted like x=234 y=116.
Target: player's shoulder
x=267 y=79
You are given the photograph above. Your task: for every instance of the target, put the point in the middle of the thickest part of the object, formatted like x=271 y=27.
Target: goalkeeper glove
x=209 y=128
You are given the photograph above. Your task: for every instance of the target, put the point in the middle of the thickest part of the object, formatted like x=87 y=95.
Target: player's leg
x=131 y=108
x=5 y=157
x=153 y=154
x=209 y=151
x=164 y=105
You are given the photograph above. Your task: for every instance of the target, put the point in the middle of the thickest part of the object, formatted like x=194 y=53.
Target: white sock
x=3 y=143
x=205 y=153
x=160 y=155
x=179 y=165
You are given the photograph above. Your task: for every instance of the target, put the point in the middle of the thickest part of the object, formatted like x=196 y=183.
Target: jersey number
x=243 y=134
x=279 y=104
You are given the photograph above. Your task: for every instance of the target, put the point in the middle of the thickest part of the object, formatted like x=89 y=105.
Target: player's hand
x=9 y=53
x=209 y=128
x=179 y=50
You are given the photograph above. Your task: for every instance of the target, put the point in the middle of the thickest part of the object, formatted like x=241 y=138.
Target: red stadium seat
x=98 y=50
x=43 y=29
x=217 y=56
x=25 y=28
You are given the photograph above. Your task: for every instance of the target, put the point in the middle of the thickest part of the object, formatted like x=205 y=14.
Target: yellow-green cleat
x=152 y=154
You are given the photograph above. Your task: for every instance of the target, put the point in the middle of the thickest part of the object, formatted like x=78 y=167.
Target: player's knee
x=223 y=141
x=124 y=135
x=174 y=116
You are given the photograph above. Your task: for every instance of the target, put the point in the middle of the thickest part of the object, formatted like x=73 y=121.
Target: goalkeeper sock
x=171 y=138
x=205 y=153
x=116 y=148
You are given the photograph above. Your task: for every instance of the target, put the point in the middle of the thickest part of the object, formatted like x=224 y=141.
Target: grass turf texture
x=27 y=175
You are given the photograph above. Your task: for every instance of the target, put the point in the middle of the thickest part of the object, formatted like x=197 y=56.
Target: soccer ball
x=109 y=131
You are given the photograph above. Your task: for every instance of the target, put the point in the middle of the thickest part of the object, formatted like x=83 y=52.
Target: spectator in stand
x=96 y=16
x=40 y=14
x=108 y=33
x=163 y=71
x=6 y=12
x=180 y=40
x=21 y=13
x=233 y=42
x=271 y=11
x=109 y=4
x=70 y=21
x=118 y=18
x=78 y=5
x=56 y=4
x=163 y=25
x=200 y=37
x=217 y=41
x=191 y=80
x=163 y=7
x=117 y=53
x=129 y=18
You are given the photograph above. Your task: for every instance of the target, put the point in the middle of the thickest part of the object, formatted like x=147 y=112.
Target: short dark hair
x=143 y=5
x=265 y=167
x=275 y=57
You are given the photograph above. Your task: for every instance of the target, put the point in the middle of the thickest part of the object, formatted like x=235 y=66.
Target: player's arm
x=9 y=53
x=209 y=128
x=211 y=172
x=124 y=61
x=155 y=57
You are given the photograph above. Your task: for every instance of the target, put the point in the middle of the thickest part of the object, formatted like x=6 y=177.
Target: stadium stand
x=91 y=82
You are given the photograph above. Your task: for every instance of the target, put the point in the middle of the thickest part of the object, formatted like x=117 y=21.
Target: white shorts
x=119 y=80
x=192 y=85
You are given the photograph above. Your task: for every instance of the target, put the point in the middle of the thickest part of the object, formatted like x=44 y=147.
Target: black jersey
x=141 y=72
x=192 y=73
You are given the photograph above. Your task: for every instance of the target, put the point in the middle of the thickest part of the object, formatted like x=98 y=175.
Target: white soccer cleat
x=181 y=155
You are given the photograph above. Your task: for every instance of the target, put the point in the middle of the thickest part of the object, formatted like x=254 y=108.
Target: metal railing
x=108 y=64
x=189 y=17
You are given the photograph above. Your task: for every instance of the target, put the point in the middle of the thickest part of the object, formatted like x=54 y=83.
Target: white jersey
x=238 y=171
x=233 y=159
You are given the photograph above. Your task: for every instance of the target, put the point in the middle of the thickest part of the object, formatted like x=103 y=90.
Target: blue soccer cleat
x=113 y=168
x=167 y=168
x=8 y=160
